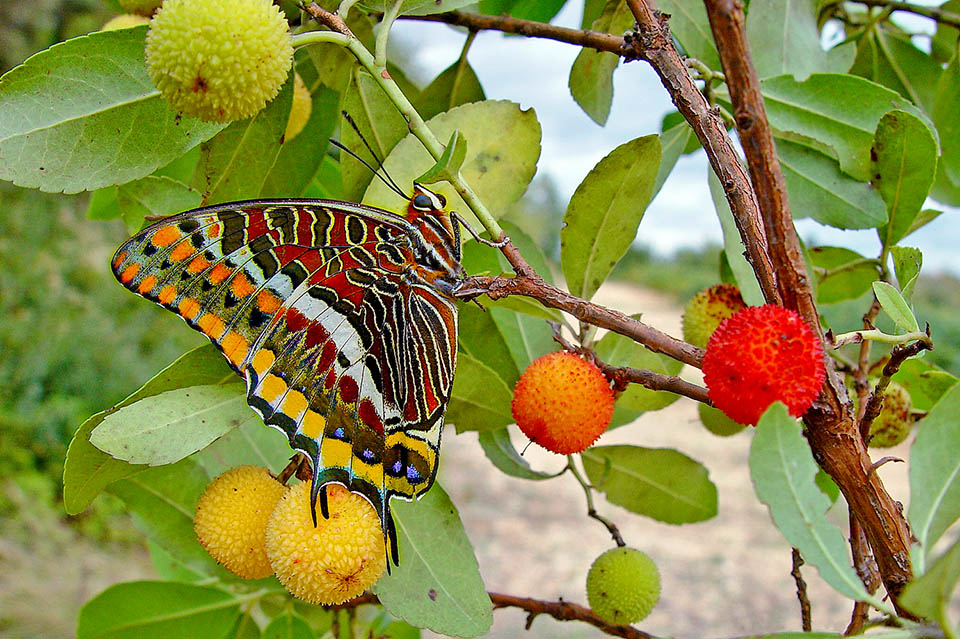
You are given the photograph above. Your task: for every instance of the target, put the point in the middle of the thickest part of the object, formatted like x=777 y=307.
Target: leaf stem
x=591 y=510
x=876 y=335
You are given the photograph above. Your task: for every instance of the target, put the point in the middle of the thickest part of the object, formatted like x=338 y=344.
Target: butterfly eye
x=443 y=200
x=422 y=202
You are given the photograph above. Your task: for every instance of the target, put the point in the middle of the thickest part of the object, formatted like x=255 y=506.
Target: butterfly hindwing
x=320 y=307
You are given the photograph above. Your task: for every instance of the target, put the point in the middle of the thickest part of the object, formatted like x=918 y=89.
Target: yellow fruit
x=142 y=7
x=623 y=586
x=219 y=60
x=562 y=402
x=231 y=519
x=300 y=110
x=894 y=422
x=124 y=21
x=705 y=310
x=336 y=560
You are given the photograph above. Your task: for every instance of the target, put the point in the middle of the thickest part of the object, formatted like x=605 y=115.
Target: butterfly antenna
x=386 y=178
x=390 y=184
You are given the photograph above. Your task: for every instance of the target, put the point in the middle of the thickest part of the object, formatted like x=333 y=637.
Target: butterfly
x=341 y=317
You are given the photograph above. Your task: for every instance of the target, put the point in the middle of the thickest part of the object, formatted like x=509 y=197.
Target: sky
x=535 y=72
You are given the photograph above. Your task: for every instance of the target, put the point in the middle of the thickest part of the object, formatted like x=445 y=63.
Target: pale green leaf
x=660 y=483
x=158 y=610
x=925 y=382
x=935 y=471
x=945 y=110
x=733 y=248
x=503 y=145
x=889 y=58
x=499 y=450
x=603 y=215
x=847 y=274
x=787 y=34
x=895 y=307
x=84 y=114
x=817 y=189
x=673 y=142
x=905 y=166
x=907 y=262
x=783 y=472
x=930 y=596
x=437 y=584
x=480 y=399
x=457 y=84
x=157 y=196
x=690 y=26
x=418 y=7
x=288 y=625
x=617 y=350
x=165 y=428
x=591 y=76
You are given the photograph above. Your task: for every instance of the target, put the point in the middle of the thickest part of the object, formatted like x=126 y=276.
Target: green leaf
x=300 y=158
x=165 y=428
x=163 y=500
x=538 y=10
x=591 y=76
x=848 y=274
x=660 y=483
x=252 y=443
x=945 y=109
x=80 y=135
x=457 y=84
x=690 y=26
x=944 y=43
x=925 y=382
x=733 y=248
x=158 y=609
x=159 y=196
x=890 y=59
x=935 y=471
x=288 y=626
x=480 y=399
x=482 y=339
x=103 y=204
x=169 y=568
x=929 y=596
x=235 y=164
x=818 y=189
x=382 y=127
x=906 y=164
x=673 y=142
x=924 y=217
x=783 y=472
x=787 y=34
x=499 y=450
x=617 y=350
x=87 y=470
x=503 y=144
x=895 y=307
x=603 y=215
x=245 y=628
x=906 y=265
x=417 y=7
x=437 y=584
x=834 y=113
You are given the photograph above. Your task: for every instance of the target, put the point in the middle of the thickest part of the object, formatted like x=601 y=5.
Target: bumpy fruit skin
x=142 y=7
x=760 y=355
x=623 y=586
x=231 y=519
x=894 y=422
x=124 y=21
x=562 y=403
x=705 y=310
x=299 y=110
x=219 y=60
x=336 y=561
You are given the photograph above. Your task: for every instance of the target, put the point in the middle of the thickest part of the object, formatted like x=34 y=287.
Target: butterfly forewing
x=324 y=308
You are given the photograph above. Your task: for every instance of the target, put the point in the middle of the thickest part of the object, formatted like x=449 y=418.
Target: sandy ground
x=725 y=577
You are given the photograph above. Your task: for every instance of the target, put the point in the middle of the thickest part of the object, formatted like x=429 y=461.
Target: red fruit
x=760 y=355
x=563 y=403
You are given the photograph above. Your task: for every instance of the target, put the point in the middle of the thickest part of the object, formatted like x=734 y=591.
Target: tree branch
x=559 y=610
x=805 y=616
x=530 y=28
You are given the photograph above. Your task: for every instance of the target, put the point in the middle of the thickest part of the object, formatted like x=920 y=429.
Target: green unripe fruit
x=219 y=60
x=716 y=422
x=141 y=7
x=705 y=310
x=623 y=586
x=893 y=423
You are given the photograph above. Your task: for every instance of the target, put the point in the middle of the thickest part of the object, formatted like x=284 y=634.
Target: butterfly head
x=440 y=254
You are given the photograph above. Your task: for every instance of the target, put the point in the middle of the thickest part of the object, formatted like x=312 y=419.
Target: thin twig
x=867 y=570
x=591 y=510
x=805 y=615
x=934 y=13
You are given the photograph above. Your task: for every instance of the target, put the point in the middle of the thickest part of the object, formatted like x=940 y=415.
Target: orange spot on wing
x=213 y=230
x=268 y=302
x=241 y=286
x=129 y=273
x=166 y=236
x=182 y=252
x=167 y=294
x=199 y=264
x=211 y=325
x=219 y=273
x=189 y=307
x=235 y=347
x=147 y=284
x=118 y=260
x=262 y=360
